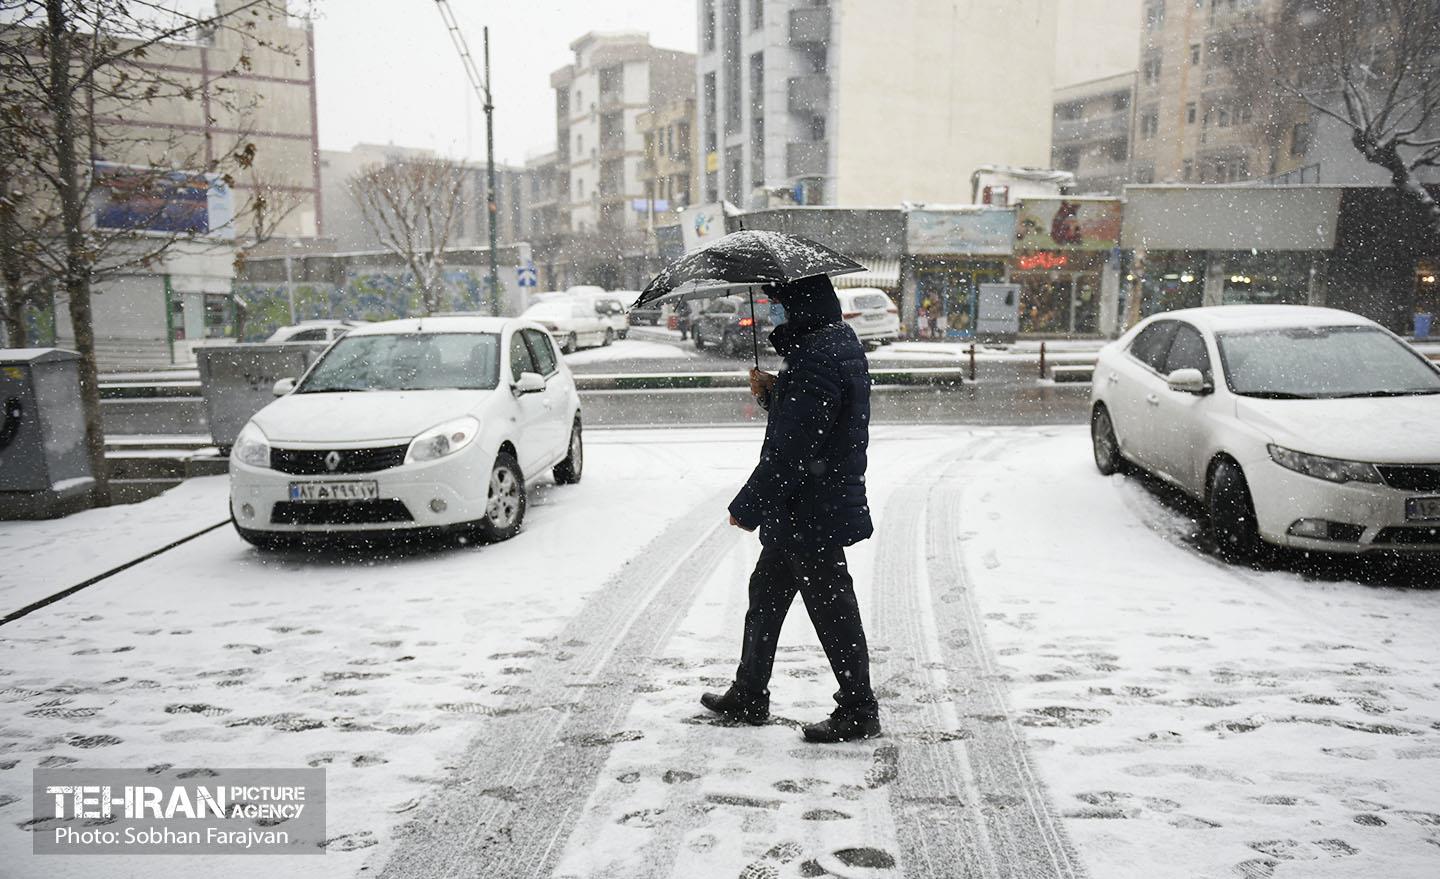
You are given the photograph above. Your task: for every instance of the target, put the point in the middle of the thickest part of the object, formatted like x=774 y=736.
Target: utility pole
x=482 y=90
x=491 y=207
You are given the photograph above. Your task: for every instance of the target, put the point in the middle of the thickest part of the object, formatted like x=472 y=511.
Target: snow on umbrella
x=746 y=258
x=743 y=259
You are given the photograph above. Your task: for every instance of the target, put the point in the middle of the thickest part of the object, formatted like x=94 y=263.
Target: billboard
x=702 y=225
x=983 y=232
x=1068 y=224
x=139 y=199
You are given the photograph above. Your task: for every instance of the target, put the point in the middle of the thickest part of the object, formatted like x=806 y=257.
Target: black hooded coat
x=808 y=491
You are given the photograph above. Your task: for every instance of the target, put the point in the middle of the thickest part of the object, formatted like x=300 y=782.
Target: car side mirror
x=529 y=383
x=283 y=387
x=1188 y=381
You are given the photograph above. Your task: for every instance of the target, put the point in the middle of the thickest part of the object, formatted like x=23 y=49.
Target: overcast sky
x=387 y=72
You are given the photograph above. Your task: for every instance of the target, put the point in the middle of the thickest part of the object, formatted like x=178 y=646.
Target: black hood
x=809 y=303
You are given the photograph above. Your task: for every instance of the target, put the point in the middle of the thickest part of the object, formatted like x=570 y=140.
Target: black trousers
x=823 y=581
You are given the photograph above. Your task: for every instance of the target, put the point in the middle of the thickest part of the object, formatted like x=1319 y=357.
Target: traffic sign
x=526 y=275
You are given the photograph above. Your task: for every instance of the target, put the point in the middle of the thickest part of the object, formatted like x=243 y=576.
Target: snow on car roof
x=449 y=324
x=1223 y=318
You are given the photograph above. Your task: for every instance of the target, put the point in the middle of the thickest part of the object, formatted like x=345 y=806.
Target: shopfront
x=1067 y=265
x=950 y=253
x=1203 y=246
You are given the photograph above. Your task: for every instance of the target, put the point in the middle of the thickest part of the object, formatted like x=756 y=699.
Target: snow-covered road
x=1069 y=689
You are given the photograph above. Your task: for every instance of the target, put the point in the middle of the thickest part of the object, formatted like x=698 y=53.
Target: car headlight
x=251 y=447
x=443 y=439
x=1320 y=467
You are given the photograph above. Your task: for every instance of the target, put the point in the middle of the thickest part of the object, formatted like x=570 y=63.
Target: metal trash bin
x=239 y=380
x=44 y=467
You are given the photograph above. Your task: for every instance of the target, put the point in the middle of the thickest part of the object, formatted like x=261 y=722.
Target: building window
x=1153 y=64
x=1120 y=102
x=707 y=25
x=731 y=59
x=817 y=127
x=1071 y=110
x=1190 y=113
x=1194 y=54
x=1067 y=158
x=1117 y=150
x=1300 y=139
x=1154 y=15
x=1222 y=117
x=757 y=14
x=1187 y=170
x=734 y=186
x=1145 y=174
x=708 y=99
x=1149 y=124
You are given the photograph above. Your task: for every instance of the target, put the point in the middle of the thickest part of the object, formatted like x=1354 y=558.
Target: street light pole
x=491 y=205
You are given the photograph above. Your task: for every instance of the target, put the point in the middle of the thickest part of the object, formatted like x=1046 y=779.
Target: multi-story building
x=1097 y=52
x=845 y=102
x=1091 y=139
x=1197 y=117
x=669 y=174
x=615 y=78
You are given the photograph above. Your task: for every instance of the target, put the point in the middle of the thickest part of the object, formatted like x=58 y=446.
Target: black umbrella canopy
x=743 y=259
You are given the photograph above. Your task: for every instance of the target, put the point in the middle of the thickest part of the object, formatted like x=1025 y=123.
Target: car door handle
x=1152 y=399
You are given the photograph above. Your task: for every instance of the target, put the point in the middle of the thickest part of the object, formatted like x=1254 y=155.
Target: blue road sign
x=526 y=274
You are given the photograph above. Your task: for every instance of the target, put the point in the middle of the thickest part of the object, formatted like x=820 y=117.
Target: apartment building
x=669 y=173
x=1091 y=139
x=843 y=102
x=1198 y=117
x=615 y=79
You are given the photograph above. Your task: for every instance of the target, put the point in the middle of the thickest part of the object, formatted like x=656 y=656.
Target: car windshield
x=409 y=362
x=1323 y=362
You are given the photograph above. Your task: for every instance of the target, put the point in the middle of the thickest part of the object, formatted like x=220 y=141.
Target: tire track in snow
x=509 y=806
x=1025 y=837
x=940 y=831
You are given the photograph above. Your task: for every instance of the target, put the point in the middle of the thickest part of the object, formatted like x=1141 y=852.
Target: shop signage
x=1068 y=224
x=973 y=232
x=1042 y=261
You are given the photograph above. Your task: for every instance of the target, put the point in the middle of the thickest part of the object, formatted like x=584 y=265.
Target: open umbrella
x=747 y=258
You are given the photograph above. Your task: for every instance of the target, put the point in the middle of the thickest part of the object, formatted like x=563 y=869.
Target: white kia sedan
x=427 y=424
x=870 y=313
x=1296 y=426
x=573 y=322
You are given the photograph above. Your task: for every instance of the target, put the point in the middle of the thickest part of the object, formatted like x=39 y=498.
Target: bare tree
x=413 y=207
x=76 y=75
x=1373 y=66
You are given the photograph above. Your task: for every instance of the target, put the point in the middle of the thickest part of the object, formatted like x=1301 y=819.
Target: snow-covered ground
x=1068 y=688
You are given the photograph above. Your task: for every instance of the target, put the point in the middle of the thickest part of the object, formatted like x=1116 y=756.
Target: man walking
x=807 y=498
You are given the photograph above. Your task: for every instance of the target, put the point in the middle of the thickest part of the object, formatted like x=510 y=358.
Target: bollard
x=972 y=361
x=1042 y=359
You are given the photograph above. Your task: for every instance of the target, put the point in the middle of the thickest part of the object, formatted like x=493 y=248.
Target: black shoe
x=739 y=705
x=844 y=726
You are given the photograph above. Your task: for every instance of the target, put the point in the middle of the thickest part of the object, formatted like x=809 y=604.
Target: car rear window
x=872 y=301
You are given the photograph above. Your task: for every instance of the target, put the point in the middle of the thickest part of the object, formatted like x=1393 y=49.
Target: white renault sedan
x=1304 y=427
x=870 y=313
x=573 y=322
x=428 y=424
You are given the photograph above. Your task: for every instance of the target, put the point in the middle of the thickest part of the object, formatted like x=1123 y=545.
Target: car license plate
x=874 y=317
x=1422 y=509
x=334 y=491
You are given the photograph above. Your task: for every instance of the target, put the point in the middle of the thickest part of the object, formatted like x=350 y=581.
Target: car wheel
x=571 y=344
x=609 y=337
x=1232 y=514
x=505 y=502
x=569 y=471
x=623 y=334
x=1108 y=459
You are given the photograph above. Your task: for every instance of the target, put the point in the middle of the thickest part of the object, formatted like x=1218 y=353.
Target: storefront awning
x=882 y=273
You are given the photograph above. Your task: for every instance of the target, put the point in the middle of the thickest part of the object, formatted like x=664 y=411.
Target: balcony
x=1109 y=126
x=807 y=159
x=611 y=99
x=809 y=94
x=612 y=147
x=810 y=25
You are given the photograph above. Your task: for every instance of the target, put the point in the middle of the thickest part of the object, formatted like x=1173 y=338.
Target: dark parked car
x=728 y=322
x=646 y=314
